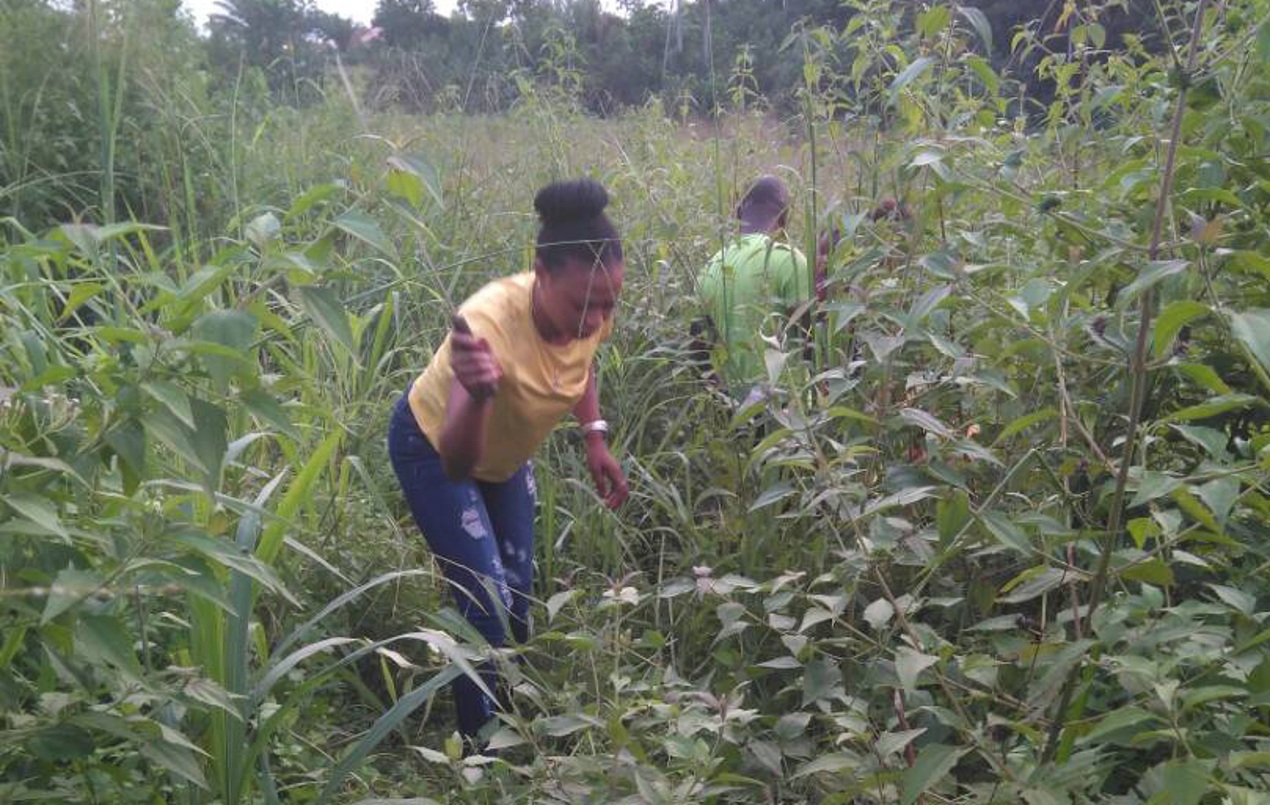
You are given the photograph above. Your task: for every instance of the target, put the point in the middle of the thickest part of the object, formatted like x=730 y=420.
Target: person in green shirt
x=747 y=282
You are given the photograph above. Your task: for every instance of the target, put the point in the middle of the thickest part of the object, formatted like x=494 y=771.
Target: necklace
x=538 y=319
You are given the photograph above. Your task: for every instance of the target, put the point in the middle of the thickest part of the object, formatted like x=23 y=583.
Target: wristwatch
x=594 y=426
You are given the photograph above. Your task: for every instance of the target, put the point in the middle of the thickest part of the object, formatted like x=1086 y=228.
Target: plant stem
x=1137 y=362
x=1138 y=372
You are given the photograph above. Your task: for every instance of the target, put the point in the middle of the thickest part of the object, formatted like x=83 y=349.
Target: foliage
x=999 y=536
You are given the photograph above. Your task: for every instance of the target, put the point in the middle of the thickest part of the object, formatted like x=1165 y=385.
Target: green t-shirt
x=742 y=285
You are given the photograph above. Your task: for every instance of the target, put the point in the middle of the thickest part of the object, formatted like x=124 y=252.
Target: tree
x=409 y=23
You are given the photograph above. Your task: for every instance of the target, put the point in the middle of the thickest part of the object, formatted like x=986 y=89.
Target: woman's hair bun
x=563 y=202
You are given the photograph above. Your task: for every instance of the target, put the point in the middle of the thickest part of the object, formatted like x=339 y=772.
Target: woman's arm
x=463 y=434
x=476 y=376
x=607 y=474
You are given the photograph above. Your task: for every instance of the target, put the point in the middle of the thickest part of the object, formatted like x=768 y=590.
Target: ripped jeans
x=482 y=535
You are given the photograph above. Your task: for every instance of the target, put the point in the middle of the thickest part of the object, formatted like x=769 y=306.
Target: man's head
x=765 y=206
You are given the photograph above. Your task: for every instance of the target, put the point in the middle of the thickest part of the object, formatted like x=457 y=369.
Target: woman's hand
x=610 y=481
x=473 y=362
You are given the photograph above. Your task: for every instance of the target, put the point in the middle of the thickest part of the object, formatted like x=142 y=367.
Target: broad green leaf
x=407 y=186
x=124 y=228
x=909 y=664
x=822 y=679
x=1031 y=583
x=1149 y=277
x=14 y=640
x=813 y=616
x=38 y=510
x=1185 y=781
x=81 y=293
x=233 y=329
x=209 y=439
x=170 y=396
x=768 y=755
x=927 y=303
x=1006 y=532
x=311 y=197
x=323 y=307
x=904 y=497
x=933 y=763
x=773 y=494
x=102 y=639
x=1192 y=506
x=843 y=313
x=842 y=412
x=1172 y=319
x=1250 y=760
x=1212 y=440
x=992 y=83
x=263 y=230
x=879 y=613
x=1024 y=422
x=923 y=420
x=1215 y=406
x=177 y=759
x=1120 y=720
x=70 y=586
x=1193 y=196
x=951 y=516
x=558 y=600
x=228 y=554
x=981 y=25
x=1000 y=623
x=419 y=166
x=504 y=738
x=1141 y=529
x=1203 y=376
x=932 y=21
x=1220 y=495
x=1153 y=571
x=1252 y=329
x=1042 y=796
x=909 y=74
x=1152 y=485
x=266 y=407
x=888 y=743
x=60 y=743
x=1238 y=599
x=792 y=725
x=560 y=726
x=208 y=692
x=1197 y=697
x=833 y=763
x=366 y=229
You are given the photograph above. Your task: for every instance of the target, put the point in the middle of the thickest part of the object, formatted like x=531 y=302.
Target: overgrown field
x=1003 y=535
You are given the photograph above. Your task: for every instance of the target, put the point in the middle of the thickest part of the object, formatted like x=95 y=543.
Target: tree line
x=694 y=53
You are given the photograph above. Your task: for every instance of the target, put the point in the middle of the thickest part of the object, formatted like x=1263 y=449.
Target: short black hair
x=765 y=201
x=574 y=226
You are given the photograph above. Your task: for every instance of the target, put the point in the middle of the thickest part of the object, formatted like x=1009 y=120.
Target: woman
x=520 y=356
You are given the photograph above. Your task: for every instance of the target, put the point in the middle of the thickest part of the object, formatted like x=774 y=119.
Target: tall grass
x=877 y=590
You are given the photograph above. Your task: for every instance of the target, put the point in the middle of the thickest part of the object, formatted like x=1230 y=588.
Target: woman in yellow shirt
x=520 y=356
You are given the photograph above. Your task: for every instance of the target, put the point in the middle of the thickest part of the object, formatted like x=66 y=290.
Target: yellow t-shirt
x=541 y=382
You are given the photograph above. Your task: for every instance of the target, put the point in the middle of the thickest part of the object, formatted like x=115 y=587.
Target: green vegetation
x=1002 y=538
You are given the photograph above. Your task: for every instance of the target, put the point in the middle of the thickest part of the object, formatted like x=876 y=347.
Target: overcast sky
x=355 y=10
x=360 y=11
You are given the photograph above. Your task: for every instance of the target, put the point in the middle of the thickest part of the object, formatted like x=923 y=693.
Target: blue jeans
x=482 y=535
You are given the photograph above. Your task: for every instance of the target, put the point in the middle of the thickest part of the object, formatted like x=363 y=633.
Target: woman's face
x=577 y=297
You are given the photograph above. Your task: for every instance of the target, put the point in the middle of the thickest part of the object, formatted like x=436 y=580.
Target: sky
x=356 y=10
x=360 y=11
